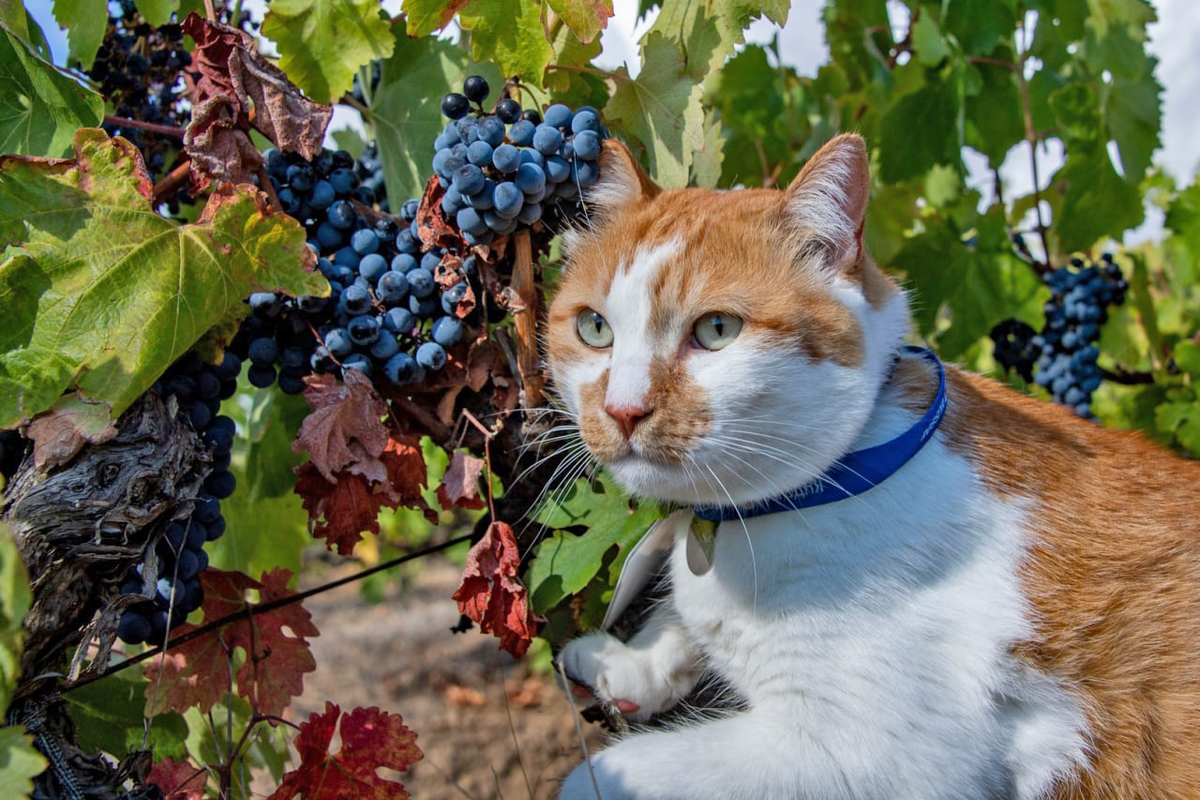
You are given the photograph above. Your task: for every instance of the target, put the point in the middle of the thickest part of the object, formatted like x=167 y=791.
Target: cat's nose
x=628 y=417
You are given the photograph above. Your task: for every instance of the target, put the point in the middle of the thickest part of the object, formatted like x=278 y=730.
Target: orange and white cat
x=1015 y=612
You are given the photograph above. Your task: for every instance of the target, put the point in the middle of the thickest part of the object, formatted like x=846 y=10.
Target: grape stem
x=267 y=607
x=1127 y=378
x=125 y=122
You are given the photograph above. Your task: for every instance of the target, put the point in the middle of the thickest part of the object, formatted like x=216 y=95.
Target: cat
x=1014 y=612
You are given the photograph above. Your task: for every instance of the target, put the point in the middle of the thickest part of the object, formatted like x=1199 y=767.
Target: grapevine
x=226 y=266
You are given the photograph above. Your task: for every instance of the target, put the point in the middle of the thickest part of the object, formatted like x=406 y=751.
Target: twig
x=266 y=607
x=1127 y=378
x=525 y=322
x=264 y=181
x=164 y=130
x=172 y=182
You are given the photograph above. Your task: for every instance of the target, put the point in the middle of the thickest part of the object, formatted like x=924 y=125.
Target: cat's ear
x=827 y=201
x=621 y=181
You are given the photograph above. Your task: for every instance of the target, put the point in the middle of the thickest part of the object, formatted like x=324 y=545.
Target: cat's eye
x=593 y=329
x=716 y=330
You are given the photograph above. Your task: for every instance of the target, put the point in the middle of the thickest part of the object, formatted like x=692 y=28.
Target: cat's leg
x=752 y=755
x=649 y=674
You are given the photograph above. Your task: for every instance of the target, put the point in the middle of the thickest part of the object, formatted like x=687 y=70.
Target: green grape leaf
x=1187 y=357
x=979 y=24
x=41 y=106
x=407 y=121
x=158 y=12
x=1097 y=201
x=103 y=293
x=1183 y=218
x=571 y=86
x=20 y=762
x=322 y=43
x=1182 y=420
x=706 y=162
x=1133 y=112
x=1077 y=111
x=509 y=33
x=109 y=716
x=423 y=17
x=585 y=18
x=928 y=41
x=85 y=21
x=974 y=288
x=662 y=109
x=994 y=117
x=918 y=131
x=566 y=562
x=707 y=33
x=15 y=597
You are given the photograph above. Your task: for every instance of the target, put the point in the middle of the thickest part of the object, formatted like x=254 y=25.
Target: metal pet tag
x=701 y=541
x=643 y=561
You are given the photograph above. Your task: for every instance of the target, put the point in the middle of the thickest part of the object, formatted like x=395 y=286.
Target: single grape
x=508 y=110
x=559 y=116
x=547 y=140
x=399 y=321
x=491 y=130
x=372 y=267
x=420 y=283
x=476 y=88
x=447 y=331
x=506 y=158
x=401 y=369
x=507 y=199
x=455 y=106
x=530 y=178
x=363 y=330
x=364 y=241
x=480 y=154
x=359 y=362
x=431 y=355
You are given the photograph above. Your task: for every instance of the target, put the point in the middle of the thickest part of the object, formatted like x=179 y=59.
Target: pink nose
x=628 y=417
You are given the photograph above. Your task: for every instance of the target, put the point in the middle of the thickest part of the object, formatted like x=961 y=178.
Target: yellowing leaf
x=426 y=16
x=585 y=18
x=322 y=43
x=102 y=294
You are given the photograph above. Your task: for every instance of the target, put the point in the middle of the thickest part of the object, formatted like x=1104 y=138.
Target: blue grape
x=558 y=116
x=547 y=140
x=452 y=296
x=587 y=145
x=491 y=130
x=391 y=288
x=322 y=195
x=338 y=343
x=364 y=241
x=359 y=362
x=403 y=262
x=469 y=220
x=424 y=307
x=264 y=351
x=507 y=199
x=585 y=121
x=447 y=331
x=521 y=133
x=399 y=320
x=386 y=345
x=401 y=369
x=363 y=329
x=431 y=355
x=506 y=158
x=468 y=179
x=530 y=178
x=356 y=300
x=558 y=169
x=420 y=282
x=480 y=154
x=372 y=266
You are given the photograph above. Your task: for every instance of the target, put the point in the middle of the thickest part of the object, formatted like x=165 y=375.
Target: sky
x=1172 y=39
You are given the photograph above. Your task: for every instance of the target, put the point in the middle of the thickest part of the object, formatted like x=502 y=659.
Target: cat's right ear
x=622 y=182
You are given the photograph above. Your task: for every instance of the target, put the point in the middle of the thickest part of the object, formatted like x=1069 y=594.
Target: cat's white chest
x=883 y=625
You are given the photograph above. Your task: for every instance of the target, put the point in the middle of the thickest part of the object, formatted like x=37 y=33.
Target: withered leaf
x=344 y=415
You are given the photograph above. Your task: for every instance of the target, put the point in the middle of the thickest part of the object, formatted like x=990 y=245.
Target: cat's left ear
x=827 y=201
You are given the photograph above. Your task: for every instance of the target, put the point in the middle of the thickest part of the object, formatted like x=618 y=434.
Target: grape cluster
x=501 y=170
x=1065 y=352
x=388 y=316
x=199 y=388
x=140 y=72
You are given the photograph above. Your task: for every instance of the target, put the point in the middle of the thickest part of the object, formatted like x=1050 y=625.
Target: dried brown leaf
x=343 y=414
x=60 y=433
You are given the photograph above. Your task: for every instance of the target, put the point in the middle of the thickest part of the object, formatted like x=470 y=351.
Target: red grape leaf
x=344 y=429
x=342 y=509
x=491 y=593
x=432 y=227
x=460 y=484
x=196 y=673
x=61 y=432
x=234 y=81
x=179 y=780
x=371 y=739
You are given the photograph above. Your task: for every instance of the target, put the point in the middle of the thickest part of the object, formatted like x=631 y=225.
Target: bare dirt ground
x=487 y=727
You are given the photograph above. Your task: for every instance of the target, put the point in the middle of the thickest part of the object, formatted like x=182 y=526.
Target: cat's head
x=723 y=347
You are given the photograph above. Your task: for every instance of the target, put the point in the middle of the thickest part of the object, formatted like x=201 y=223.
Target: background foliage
x=924 y=82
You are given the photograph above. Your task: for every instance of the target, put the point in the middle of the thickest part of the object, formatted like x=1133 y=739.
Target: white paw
x=630 y=680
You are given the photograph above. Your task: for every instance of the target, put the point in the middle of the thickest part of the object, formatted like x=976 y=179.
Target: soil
x=487 y=726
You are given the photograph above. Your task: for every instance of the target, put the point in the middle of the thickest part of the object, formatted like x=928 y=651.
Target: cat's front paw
x=633 y=681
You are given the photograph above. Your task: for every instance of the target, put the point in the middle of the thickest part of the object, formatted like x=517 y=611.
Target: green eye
x=716 y=330
x=593 y=329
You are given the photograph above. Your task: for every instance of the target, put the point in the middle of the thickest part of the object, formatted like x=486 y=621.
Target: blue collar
x=854 y=473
